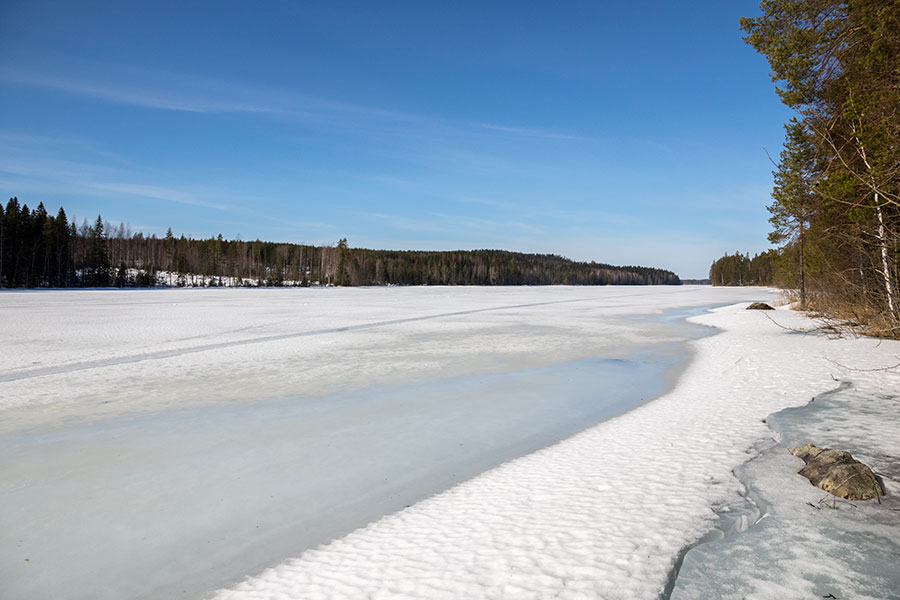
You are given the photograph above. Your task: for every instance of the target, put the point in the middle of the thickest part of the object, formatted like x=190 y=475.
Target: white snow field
x=164 y=443
x=115 y=351
x=606 y=513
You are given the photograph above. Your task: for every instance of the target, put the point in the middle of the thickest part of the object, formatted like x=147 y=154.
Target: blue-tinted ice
x=178 y=503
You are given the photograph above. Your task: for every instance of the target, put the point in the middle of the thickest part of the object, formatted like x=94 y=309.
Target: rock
x=838 y=473
x=806 y=452
x=759 y=306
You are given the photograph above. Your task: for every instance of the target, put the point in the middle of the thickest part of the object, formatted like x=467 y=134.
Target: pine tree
x=11 y=240
x=341 y=274
x=794 y=194
x=98 y=271
x=62 y=240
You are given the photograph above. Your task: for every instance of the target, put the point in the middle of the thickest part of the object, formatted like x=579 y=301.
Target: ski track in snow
x=121 y=360
x=198 y=347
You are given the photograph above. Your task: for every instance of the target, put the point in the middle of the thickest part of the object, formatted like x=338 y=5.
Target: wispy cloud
x=488 y=202
x=41 y=140
x=76 y=177
x=54 y=169
x=177 y=92
x=163 y=90
x=531 y=132
x=156 y=192
x=397 y=181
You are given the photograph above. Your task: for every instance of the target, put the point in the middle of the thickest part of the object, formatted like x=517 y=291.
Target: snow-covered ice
x=120 y=407
x=207 y=346
x=156 y=441
x=606 y=513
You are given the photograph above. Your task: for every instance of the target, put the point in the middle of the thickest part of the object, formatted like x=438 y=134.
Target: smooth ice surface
x=804 y=543
x=605 y=513
x=247 y=485
x=165 y=442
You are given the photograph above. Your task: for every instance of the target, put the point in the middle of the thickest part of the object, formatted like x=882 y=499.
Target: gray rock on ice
x=759 y=306
x=838 y=473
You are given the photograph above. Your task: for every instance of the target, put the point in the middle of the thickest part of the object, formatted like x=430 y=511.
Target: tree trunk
x=802 y=272
x=885 y=270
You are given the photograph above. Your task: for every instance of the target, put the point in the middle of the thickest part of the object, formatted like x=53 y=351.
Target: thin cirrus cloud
x=53 y=169
x=531 y=132
x=50 y=174
x=155 y=192
x=161 y=90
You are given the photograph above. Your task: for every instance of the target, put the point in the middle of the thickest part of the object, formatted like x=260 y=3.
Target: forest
x=41 y=250
x=835 y=213
x=741 y=269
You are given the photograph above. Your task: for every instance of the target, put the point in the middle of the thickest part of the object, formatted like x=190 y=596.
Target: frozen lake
x=165 y=443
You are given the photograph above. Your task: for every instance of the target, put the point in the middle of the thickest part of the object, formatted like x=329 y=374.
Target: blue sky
x=596 y=130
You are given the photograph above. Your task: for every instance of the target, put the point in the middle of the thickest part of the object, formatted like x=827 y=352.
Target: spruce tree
x=341 y=275
x=99 y=255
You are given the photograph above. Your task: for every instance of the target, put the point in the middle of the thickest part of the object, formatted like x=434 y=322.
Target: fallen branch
x=791 y=329
x=891 y=369
x=834 y=502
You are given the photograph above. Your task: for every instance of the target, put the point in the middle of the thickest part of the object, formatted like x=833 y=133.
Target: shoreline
x=593 y=515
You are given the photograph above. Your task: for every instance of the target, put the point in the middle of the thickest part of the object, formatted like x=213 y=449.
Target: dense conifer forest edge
x=835 y=213
x=741 y=269
x=41 y=250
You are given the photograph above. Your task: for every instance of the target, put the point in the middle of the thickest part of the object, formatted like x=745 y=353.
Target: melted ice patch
x=185 y=500
x=811 y=545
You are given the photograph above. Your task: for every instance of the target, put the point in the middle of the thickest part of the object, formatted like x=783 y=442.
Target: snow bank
x=606 y=513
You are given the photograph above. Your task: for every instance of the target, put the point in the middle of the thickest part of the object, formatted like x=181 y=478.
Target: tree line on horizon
x=836 y=198
x=740 y=269
x=41 y=250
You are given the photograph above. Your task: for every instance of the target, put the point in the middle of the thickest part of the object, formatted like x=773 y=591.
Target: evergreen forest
x=41 y=250
x=741 y=269
x=835 y=213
